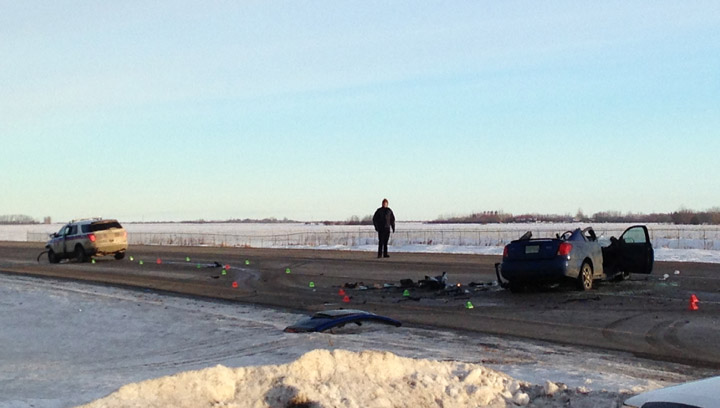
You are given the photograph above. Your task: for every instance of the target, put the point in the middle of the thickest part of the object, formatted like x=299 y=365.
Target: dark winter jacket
x=384 y=219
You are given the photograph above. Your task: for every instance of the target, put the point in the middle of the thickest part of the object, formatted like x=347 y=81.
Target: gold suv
x=81 y=239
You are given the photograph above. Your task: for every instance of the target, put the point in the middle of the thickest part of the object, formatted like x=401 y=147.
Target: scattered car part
x=41 y=254
x=329 y=319
x=434 y=283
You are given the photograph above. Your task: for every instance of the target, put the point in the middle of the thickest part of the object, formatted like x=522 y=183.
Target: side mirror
x=613 y=240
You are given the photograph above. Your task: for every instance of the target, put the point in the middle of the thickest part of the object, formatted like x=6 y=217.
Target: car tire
x=52 y=257
x=585 y=277
x=80 y=255
x=516 y=287
x=119 y=255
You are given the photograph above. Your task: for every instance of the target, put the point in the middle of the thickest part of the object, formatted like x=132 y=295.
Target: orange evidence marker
x=694 y=302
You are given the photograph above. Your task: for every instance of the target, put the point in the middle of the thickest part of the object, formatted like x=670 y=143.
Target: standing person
x=384 y=221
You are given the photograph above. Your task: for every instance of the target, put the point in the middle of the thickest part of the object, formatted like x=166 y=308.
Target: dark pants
x=384 y=237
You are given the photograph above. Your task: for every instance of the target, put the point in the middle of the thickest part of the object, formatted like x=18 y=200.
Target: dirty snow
x=329 y=378
x=70 y=343
x=344 y=378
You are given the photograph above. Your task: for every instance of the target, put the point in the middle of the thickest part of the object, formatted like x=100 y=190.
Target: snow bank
x=323 y=378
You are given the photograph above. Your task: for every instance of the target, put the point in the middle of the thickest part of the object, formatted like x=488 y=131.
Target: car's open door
x=635 y=250
x=63 y=244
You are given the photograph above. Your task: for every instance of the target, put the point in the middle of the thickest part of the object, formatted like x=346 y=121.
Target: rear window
x=102 y=226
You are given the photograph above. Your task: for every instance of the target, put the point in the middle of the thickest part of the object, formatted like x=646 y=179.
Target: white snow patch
x=323 y=378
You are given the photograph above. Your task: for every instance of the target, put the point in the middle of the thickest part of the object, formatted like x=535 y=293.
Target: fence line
x=676 y=238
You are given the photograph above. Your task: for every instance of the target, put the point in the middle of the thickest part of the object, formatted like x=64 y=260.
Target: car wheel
x=585 y=277
x=80 y=254
x=120 y=255
x=516 y=287
x=52 y=257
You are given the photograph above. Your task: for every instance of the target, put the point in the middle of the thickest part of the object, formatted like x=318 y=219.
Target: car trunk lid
x=532 y=249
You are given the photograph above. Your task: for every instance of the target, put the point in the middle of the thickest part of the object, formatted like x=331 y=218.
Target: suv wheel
x=52 y=257
x=516 y=287
x=120 y=255
x=80 y=254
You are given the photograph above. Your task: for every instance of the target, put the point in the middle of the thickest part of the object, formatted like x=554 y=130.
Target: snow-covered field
x=672 y=243
x=69 y=343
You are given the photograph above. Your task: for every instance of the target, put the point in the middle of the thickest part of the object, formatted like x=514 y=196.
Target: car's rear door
x=636 y=252
x=71 y=238
x=60 y=242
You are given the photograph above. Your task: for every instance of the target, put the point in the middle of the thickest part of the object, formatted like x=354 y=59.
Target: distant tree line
x=354 y=220
x=271 y=220
x=17 y=219
x=680 y=217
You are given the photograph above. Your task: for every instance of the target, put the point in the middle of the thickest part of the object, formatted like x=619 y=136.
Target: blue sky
x=317 y=110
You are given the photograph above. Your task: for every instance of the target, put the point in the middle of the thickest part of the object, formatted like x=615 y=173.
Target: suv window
x=102 y=226
x=73 y=230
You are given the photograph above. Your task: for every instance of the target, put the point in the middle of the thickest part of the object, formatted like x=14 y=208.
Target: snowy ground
x=68 y=343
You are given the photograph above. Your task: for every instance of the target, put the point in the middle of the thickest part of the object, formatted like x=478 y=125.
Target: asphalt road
x=646 y=316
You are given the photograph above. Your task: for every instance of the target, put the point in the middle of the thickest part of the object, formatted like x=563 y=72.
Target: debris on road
x=330 y=319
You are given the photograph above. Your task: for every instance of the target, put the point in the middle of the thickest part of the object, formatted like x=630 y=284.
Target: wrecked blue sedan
x=575 y=256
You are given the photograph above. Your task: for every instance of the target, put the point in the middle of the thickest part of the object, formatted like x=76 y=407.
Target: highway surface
x=646 y=315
